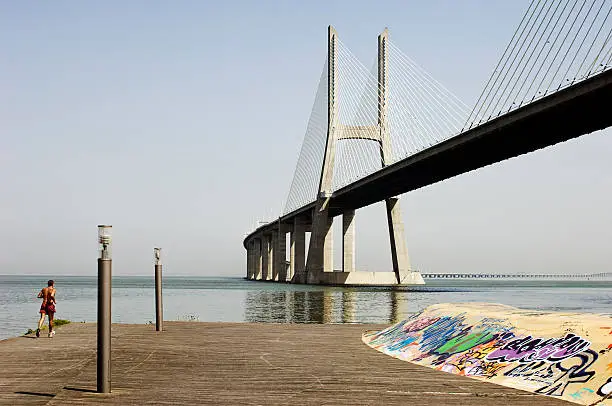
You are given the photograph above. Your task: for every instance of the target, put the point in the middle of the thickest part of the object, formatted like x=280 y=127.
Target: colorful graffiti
x=459 y=339
x=558 y=376
x=528 y=349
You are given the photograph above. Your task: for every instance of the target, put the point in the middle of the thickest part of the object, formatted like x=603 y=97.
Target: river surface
x=238 y=300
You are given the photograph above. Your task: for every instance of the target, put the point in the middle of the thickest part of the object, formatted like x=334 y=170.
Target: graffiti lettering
x=400 y=334
x=441 y=331
x=420 y=324
x=529 y=349
x=465 y=342
x=606 y=388
x=494 y=324
x=399 y=345
x=538 y=371
x=472 y=363
x=556 y=377
x=578 y=394
x=392 y=333
x=573 y=374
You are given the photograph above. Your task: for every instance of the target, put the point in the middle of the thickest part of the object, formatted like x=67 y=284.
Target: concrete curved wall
x=563 y=355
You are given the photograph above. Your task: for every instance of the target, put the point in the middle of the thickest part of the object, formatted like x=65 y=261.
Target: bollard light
x=104 y=241
x=157 y=255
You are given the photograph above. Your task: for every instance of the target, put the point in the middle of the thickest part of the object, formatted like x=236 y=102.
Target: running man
x=47 y=307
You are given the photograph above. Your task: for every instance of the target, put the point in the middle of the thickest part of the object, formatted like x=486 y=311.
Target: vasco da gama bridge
x=377 y=133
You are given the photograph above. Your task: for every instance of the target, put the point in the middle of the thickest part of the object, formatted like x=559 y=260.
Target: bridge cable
x=605 y=42
x=497 y=71
x=354 y=93
x=559 y=49
x=547 y=53
x=502 y=92
x=430 y=87
x=527 y=63
x=434 y=100
x=570 y=47
x=587 y=53
x=308 y=168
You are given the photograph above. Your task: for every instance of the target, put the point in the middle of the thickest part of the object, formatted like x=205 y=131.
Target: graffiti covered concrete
x=508 y=346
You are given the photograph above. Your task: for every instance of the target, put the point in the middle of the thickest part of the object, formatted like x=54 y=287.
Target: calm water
x=237 y=300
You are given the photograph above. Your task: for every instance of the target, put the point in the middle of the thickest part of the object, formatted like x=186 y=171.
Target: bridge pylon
x=319 y=262
x=320 y=250
x=397 y=239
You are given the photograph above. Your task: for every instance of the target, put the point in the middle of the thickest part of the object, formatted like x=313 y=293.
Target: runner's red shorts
x=48 y=308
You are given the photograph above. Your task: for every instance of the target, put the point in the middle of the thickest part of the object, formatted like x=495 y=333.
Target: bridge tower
x=319 y=262
x=320 y=251
x=399 y=251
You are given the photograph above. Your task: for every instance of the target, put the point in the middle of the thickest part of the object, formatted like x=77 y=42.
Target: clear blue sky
x=180 y=124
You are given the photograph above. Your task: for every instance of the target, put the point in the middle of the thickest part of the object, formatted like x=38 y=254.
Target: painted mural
x=564 y=355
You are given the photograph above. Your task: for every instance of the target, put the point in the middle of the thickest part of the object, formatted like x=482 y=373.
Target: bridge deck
x=232 y=363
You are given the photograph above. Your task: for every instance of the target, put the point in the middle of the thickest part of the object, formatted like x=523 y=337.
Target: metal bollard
x=159 y=309
x=104 y=310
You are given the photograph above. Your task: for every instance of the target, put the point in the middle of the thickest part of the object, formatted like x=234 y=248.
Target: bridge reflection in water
x=327 y=306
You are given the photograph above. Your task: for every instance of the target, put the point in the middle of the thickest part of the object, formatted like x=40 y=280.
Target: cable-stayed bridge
x=374 y=134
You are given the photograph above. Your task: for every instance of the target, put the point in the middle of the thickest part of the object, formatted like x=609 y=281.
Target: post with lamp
x=159 y=309
x=104 y=309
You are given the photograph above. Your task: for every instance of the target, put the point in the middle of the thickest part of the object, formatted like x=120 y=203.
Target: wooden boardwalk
x=232 y=364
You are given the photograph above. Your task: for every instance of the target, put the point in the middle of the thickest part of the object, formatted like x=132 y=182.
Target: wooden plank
x=232 y=363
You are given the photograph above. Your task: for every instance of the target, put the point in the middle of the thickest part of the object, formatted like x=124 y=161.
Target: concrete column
x=274 y=256
x=249 y=252
x=328 y=248
x=321 y=250
x=385 y=140
x=399 y=252
x=257 y=259
x=270 y=257
x=298 y=247
x=327 y=171
x=265 y=257
x=253 y=257
x=348 y=241
x=281 y=252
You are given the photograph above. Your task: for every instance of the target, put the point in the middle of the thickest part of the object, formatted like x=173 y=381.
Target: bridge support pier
x=399 y=251
x=348 y=241
x=265 y=257
x=257 y=260
x=273 y=271
x=320 y=250
x=297 y=255
x=250 y=259
x=328 y=246
x=280 y=252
